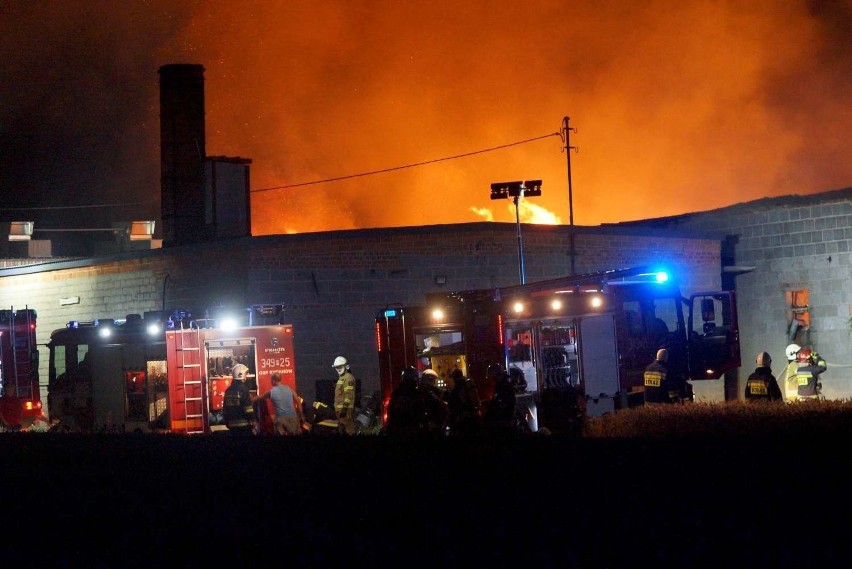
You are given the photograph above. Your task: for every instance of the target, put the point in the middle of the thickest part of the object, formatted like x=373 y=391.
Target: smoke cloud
x=678 y=106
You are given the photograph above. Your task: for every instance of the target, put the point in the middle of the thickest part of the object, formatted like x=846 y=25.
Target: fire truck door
x=108 y=386
x=598 y=363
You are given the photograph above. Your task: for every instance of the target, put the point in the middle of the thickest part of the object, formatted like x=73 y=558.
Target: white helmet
x=239 y=371
x=763 y=359
x=791 y=351
x=339 y=361
x=662 y=355
x=430 y=375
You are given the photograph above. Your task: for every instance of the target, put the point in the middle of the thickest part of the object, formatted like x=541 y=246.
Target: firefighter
x=659 y=387
x=238 y=409
x=787 y=378
x=406 y=413
x=434 y=406
x=500 y=410
x=344 y=396
x=287 y=405
x=463 y=405
x=761 y=385
x=811 y=365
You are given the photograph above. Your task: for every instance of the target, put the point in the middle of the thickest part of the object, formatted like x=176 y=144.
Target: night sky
x=679 y=105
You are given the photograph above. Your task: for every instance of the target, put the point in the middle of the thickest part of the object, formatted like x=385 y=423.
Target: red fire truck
x=594 y=333
x=19 y=361
x=163 y=373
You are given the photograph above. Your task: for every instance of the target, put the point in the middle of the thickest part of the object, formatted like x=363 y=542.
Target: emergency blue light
x=390 y=313
x=72 y=324
x=661 y=277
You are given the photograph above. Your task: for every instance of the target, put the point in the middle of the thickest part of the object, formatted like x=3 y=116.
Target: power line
x=72 y=206
x=408 y=165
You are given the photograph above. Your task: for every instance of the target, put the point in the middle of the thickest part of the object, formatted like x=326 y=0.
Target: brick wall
x=333 y=284
x=793 y=242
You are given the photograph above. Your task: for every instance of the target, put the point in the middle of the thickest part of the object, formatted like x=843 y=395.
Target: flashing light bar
x=390 y=313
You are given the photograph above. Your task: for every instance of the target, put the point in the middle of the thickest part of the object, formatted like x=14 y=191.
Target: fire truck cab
x=593 y=334
x=162 y=372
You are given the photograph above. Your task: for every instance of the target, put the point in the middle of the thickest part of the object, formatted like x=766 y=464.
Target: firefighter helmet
x=409 y=374
x=662 y=355
x=239 y=371
x=791 y=351
x=430 y=376
x=340 y=361
x=763 y=359
x=804 y=355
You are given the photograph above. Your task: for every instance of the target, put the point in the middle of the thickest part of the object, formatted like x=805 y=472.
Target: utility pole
x=564 y=133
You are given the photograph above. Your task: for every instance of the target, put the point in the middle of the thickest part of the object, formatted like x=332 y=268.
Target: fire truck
x=19 y=361
x=593 y=333
x=162 y=372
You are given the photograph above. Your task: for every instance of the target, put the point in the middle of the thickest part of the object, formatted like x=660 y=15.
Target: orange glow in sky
x=678 y=106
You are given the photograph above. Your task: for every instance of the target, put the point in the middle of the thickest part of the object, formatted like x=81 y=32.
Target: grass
x=724 y=419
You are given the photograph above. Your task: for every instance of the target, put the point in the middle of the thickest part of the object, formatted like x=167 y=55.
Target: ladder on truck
x=20 y=327
x=191 y=390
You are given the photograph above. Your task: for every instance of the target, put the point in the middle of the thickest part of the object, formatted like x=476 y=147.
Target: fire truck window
x=665 y=312
x=58 y=356
x=712 y=318
x=633 y=318
x=441 y=351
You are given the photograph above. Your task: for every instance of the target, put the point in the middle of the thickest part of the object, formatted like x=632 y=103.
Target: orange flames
x=679 y=106
x=528 y=213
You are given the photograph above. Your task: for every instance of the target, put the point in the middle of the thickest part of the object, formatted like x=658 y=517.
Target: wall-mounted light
x=21 y=230
x=141 y=230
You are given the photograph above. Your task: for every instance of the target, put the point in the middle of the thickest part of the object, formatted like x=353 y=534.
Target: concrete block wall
x=794 y=242
x=334 y=284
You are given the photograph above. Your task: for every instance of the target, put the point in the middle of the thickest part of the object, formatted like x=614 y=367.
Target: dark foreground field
x=218 y=502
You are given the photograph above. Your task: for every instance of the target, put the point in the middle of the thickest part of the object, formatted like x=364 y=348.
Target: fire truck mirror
x=708 y=310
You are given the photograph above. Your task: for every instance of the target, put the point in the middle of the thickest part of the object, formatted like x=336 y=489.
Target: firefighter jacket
x=237 y=408
x=787 y=380
x=344 y=395
x=807 y=376
x=344 y=402
x=659 y=387
x=762 y=386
